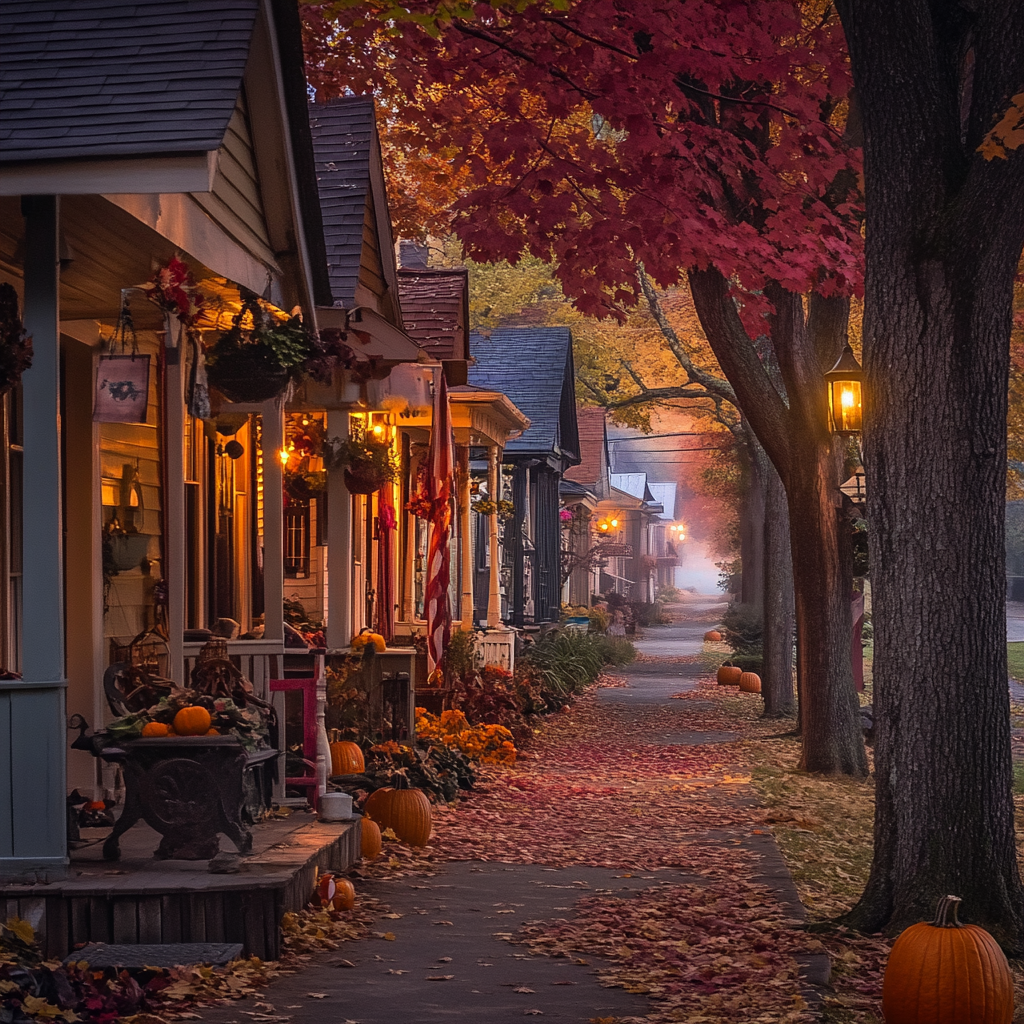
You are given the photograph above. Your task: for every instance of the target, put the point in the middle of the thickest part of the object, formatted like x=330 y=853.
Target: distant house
x=533 y=366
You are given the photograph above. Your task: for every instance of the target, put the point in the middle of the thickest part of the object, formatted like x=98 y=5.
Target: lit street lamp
x=845 y=394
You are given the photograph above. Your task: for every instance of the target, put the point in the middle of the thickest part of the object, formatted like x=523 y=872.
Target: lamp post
x=845 y=394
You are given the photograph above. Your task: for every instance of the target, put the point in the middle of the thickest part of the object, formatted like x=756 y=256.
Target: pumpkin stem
x=945 y=913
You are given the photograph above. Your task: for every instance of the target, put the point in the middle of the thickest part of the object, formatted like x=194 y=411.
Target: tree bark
x=752 y=537
x=777 y=636
x=795 y=436
x=945 y=228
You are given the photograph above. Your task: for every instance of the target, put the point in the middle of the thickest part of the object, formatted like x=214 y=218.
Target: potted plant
x=257 y=358
x=368 y=463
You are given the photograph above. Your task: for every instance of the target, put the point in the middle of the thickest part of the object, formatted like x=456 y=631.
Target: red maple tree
x=700 y=139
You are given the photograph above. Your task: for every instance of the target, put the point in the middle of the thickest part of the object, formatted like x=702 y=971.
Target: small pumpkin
x=212 y=732
x=750 y=682
x=366 y=636
x=729 y=675
x=192 y=721
x=371 y=841
x=156 y=729
x=346 y=758
x=713 y=635
x=947 y=973
x=375 y=807
x=344 y=894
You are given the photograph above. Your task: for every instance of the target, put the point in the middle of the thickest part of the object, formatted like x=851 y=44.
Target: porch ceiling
x=103 y=250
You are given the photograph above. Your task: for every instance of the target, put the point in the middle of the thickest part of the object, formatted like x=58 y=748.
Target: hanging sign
x=122 y=389
x=122 y=381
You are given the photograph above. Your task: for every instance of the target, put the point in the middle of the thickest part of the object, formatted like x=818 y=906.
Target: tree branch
x=757 y=397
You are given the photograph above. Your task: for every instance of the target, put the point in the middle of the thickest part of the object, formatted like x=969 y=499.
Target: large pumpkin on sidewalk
x=729 y=675
x=405 y=811
x=750 y=682
x=346 y=758
x=947 y=973
x=374 y=806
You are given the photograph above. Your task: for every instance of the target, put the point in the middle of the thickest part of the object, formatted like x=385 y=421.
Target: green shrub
x=748 y=662
x=743 y=626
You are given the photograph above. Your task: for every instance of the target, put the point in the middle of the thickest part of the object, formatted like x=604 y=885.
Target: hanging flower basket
x=255 y=360
x=369 y=464
x=365 y=478
x=251 y=373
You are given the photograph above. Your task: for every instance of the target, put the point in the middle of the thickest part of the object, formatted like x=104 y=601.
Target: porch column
x=339 y=544
x=33 y=737
x=174 y=507
x=273 y=522
x=494 y=594
x=467 y=540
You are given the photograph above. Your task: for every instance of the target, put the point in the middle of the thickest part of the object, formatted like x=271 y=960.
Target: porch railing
x=258 y=660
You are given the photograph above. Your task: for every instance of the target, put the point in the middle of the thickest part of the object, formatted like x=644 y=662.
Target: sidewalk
x=623 y=858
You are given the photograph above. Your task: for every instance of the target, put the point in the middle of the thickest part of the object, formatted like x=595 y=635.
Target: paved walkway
x=449 y=958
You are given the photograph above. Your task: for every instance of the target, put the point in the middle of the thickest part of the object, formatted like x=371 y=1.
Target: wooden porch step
x=141 y=900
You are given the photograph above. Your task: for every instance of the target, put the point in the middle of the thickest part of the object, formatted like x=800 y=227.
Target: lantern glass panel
x=845 y=401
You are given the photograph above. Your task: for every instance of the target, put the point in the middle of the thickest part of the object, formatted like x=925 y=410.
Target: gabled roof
x=665 y=495
x=534 y=367
x=593 y=467
x=112 y=78
x=435 y=308
x=633 y=483
x=349 y=173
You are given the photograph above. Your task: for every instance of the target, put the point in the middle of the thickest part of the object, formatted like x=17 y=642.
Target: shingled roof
x=534 y=367
x=111 y=78
x=435 y=309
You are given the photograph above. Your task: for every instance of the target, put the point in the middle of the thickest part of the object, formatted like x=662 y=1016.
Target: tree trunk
x=752 y=526
x=823 y=582
x=944 y=234
x=777 y=636
x=795 y=436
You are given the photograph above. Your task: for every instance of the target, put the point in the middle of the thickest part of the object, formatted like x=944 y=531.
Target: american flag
x=441 y=464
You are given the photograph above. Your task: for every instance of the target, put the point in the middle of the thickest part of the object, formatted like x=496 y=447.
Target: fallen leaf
x=317 y=995
x=523 y=988
x=440 y=977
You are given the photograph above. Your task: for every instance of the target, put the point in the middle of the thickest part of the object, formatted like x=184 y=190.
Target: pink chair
x=307 y=687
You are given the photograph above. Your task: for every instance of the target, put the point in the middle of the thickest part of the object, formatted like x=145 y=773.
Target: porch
x=139 y=899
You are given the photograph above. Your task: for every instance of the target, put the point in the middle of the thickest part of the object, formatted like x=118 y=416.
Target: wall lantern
x=607 y=525
x=845 y=394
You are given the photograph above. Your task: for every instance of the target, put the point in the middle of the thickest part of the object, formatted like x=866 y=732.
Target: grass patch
x=1015 y=660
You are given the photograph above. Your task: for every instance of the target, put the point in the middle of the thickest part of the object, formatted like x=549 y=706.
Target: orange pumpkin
x=212 y=732
x=408 y=813
x=156 y=729
x=344 y=894
x=366 y=636
x=371 y=841
x=729 y=675
x=346 y=758
x=192 y=721
x=947 y=973
x=375 y=807
x=750 y=682
x=713 y=635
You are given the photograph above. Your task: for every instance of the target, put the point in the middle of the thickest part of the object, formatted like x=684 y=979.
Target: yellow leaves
x=488 y=744
x=1008 y=132
x=22 y=929
x=39 y=1009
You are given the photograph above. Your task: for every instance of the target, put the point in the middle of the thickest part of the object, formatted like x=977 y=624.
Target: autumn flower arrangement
x=487 y=744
